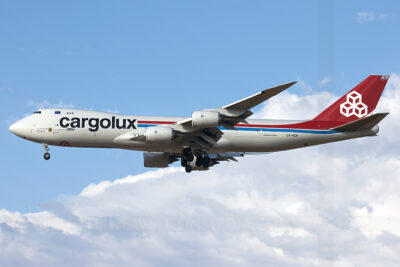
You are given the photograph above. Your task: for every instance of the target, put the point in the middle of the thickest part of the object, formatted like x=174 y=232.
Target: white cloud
x=369 y=16
x=325 y=80
x=379 y=218
x=336 y=205
x=307 y=89
x=42 y=219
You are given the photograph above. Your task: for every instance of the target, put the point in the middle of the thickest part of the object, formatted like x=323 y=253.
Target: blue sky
x=167 y=58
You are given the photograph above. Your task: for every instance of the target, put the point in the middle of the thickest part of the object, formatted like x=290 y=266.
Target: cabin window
x=37 y=112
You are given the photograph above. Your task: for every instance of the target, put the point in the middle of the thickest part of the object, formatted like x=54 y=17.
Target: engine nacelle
x=160 y=134
x=206 y=118
x=157 y=159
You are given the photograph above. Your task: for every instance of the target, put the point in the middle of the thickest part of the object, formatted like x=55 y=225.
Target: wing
x=228 y=117
x=256 y=99
x=240 y=110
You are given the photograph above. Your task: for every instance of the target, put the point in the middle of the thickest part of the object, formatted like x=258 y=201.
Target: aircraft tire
x=46 y=156
x=190 y=158
x=206 y=161
x=188 y=168
x=184 y=162
x=199 y=161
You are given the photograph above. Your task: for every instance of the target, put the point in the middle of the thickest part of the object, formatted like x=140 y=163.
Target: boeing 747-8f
x=208 y=136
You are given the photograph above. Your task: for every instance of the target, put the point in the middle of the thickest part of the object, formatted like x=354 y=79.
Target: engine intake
x=206 y=118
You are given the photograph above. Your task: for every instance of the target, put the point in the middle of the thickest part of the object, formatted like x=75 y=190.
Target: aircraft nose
x=13 y=128
x=16 y=128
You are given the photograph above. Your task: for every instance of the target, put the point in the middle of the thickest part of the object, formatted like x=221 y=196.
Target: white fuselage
x=82 y=128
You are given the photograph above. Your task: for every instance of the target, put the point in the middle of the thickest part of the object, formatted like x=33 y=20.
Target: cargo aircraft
x=208 y=136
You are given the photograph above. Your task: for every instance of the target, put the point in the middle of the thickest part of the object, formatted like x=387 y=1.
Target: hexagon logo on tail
x=353 y=105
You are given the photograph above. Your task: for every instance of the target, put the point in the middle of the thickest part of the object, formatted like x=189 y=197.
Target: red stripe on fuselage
x=157 y=122
x=312 y=125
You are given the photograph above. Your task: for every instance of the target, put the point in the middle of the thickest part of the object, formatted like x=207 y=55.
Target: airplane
x=209 y=136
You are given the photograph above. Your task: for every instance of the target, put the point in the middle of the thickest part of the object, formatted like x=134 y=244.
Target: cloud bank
x=335 y=204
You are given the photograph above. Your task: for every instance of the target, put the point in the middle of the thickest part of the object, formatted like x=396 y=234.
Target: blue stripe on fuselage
x=284 y=130
x=265 y=129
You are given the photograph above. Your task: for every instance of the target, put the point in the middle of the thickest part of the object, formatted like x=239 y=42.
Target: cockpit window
x=37 y=112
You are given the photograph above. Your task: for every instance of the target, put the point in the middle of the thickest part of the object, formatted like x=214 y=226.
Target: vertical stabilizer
x=357 y=103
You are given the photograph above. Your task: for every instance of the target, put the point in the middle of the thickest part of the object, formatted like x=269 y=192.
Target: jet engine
x=157 y=159
x=206 y=118
x=160 y=134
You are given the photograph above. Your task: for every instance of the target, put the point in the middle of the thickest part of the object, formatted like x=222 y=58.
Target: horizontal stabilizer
x=363 y=124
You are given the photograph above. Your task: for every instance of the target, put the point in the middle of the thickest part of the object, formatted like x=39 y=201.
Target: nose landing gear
x=46 y=155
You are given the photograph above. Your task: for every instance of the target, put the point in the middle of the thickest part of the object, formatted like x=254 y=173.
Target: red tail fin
x=357 y=103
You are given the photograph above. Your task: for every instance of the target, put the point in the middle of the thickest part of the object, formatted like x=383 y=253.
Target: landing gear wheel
x=184 y=162
x=190 y=158
x=206 y=161
x=46 y=156
x=199 y=161
x=188 y=168
x=187 y=153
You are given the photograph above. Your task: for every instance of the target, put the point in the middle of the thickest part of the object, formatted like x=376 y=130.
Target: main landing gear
x=186 y=159
x=202 y=159
x=46 y=154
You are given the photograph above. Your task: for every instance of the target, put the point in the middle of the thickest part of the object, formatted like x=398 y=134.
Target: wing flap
x=226 y=156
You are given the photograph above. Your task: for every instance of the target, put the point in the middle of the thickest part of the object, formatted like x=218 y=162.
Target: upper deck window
x=37 y=112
